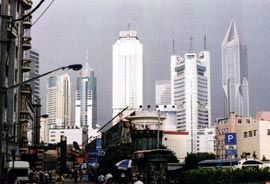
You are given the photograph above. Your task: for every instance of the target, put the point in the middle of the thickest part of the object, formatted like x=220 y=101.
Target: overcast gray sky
x=69 y=27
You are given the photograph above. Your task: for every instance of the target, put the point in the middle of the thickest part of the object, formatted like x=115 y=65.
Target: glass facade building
x=235 y=73
x=86 y=99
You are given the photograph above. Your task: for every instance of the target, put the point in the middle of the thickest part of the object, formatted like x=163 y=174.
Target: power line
x=30 y=13
x=43 y=12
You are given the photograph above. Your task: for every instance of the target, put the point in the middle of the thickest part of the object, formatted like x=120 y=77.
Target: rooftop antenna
x=86 y=55
x=128 y=26
x=191 y=44
x=173 y=46
x=204 y=43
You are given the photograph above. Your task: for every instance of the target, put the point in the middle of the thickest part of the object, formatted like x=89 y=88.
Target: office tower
x=235 y=73
x=163 y=92
x=127 y=72
x=35 y=85
x=86 y=99
x=174 y=60
x=192 y=94
x=59 y=101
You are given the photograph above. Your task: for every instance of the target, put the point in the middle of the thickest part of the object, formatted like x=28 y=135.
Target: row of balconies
x=27 y=4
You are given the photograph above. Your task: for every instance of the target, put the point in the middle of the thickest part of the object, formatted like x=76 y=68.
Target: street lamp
x=75 y=67
x=36 y=129
x=3 y=91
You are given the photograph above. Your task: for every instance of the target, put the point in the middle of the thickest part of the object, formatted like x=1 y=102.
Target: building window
x=268 y=131
x=239 y=121
x=248 y=120
x=245 y=134
x=250 y=133
x=254 y=132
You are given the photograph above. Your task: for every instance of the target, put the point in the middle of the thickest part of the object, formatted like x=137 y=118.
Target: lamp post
x=36 y=129
x=3 y=96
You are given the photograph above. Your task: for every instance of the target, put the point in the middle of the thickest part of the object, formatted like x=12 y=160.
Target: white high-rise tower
x=235 y=73
x=192 y=95
x=127 y=72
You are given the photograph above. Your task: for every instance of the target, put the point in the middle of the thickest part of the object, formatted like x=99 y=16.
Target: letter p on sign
x=230 y=138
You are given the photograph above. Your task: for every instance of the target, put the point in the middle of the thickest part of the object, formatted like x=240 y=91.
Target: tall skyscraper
x=59 y=101
x=192 y=95
x=86 y=99
x=235 y=73
x=163 y=92
x=35 y=85
x=127 y=72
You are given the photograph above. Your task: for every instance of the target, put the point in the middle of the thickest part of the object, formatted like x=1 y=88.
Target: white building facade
x=235 y=73
x=206 y=140
x=73 y=134
x=192 y=94
x=163 y=92
x=127 y=79
x=59 y=101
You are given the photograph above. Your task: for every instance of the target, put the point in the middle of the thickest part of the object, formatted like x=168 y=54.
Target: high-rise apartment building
x=235 y=73
x=192 y=95
x=163 y=92
x=35 y=85
x=86 y=99
x=59 y=101
x=127 y=72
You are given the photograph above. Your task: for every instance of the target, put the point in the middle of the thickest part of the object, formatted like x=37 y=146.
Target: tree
x=192 y=159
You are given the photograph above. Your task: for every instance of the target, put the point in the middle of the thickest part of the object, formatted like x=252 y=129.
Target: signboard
x=231 y=152
x=230 y=138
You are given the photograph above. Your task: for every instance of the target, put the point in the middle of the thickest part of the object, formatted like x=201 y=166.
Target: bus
x=245 y=163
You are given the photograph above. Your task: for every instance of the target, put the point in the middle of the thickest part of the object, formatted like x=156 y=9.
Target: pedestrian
x=59 y=179
x=109 y=179
x=101 y=179
x=138 y=180
x=123 y=179
x=4 y=180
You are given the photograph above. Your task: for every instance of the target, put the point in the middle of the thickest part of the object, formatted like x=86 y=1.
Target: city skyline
x=156 y=31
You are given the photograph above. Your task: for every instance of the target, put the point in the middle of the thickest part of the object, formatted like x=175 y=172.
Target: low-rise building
x=177 y=142
x=206 y=140
x=253 y=136
x=73 y=134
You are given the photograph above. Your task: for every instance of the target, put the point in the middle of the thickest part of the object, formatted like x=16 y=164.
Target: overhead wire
x=43 y=12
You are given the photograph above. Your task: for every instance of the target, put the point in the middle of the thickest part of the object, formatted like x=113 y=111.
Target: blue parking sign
x=230 y=138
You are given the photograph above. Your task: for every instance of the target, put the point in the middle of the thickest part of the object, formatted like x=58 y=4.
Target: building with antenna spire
x=127 y=70
x=190 y=77
x=86 y=99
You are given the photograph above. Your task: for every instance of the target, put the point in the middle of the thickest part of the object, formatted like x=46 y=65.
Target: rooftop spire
x=86 y=56
x=191 y=44
x=129 y=26
x=204 y=43
x=173 y=46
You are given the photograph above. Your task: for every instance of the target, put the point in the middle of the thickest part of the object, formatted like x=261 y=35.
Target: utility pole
x=3 y=58
x=158 y=127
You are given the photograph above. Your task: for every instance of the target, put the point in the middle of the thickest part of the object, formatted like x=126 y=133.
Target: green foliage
x=192 y=159
x=224 y=176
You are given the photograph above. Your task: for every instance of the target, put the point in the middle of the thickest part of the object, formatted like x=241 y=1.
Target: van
x=18 y=169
